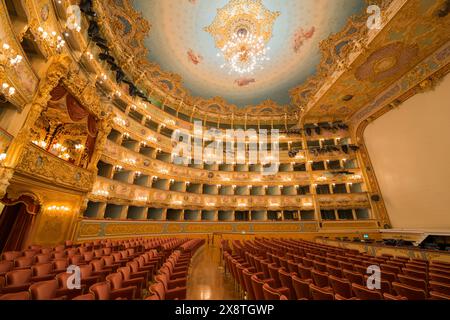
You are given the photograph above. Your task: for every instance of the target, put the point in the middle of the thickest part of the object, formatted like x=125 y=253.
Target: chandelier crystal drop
x=244 y=53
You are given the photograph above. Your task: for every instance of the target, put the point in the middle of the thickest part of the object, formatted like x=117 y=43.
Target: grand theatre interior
x=224 y=150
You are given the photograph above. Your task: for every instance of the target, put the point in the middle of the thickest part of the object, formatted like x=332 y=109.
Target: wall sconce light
x=8 y=57
x=120 y=121
x=58 y=208
x=103 y=193
x=274 y=204
x=7 y=90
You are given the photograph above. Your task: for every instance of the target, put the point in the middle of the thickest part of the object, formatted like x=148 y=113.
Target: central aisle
x=206 y=278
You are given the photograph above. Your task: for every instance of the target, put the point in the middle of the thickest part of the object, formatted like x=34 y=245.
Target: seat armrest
x=284 y=291
x=270 y=282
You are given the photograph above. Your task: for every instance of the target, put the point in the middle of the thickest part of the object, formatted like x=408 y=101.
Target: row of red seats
x=315 y=271
x=134 y=266
x=171 y=283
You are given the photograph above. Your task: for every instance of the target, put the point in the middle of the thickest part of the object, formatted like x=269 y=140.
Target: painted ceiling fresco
x=179 y=44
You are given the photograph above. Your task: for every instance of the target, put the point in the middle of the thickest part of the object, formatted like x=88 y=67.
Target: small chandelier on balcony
x=8 y=56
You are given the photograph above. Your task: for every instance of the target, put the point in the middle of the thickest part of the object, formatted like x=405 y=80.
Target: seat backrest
x=320 y=278
x=134 y=265
x=87 y=296
x=270 y=294
x=273 y=271
x=301 y=288
x=42 y=258
x=409 y=292
x=439 y=278
x=60 y=264
x=247 y=275
x=116 y=280
x=24 y=295
x=434 y=295
x=23 y=262
x=354 y=277
x=341 y=286
x=29 y=253
x=76 y=259
x=257 y=285
x=440 y=287
x=58 y=255
x=42 y=269
x=44 y=290
x=366 y=294
x=158 y=289
x=98 y=253
x=97 y=265
x=17 y=277
x=62 y=279
x=88 y=256
x=318 y=293
x=305 y=272
x=108 y=260
x=389 y=276
x=421 y=274
x=101 y=290
x=6 y=265
x=335 y=271
x=11 y=255
x=320 y=266
x=388 y=296
x=346 y=265
x=126 y=272
x=85 y=271
x=413 y=282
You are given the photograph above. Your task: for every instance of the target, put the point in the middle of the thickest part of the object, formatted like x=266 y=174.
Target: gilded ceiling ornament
x=242 y=16
x=242 y=30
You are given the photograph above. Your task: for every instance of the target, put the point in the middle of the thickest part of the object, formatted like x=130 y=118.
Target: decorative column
x=103 y=132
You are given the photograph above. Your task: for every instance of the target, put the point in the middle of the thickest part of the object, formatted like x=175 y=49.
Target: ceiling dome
x=181 y=41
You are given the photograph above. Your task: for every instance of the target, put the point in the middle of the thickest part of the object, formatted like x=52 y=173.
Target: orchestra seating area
x=286 y=269
x=108 y=269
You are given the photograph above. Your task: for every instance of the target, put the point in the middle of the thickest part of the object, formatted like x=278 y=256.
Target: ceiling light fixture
x=242 y=30
x=244 y=53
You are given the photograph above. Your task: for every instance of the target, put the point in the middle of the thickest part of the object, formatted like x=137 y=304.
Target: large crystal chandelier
x=244 y=52
x=242 y=30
